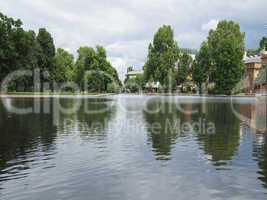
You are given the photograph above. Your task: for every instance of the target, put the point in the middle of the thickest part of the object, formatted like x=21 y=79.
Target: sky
x=125 y=28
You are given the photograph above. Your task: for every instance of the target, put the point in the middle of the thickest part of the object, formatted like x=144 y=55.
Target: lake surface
x=133 y=147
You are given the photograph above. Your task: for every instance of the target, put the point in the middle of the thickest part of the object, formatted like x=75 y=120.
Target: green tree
x=86 y=58
x=184 y=65
x=202 y=66
x=64 y=66
x=110 y=73
x=22 y=50
x=17 y=48
x=227 y=50
x=135 y=84
x=45 y=55
x=93 y=68
x=263 y=44
x=95 y=76
x=162 y=56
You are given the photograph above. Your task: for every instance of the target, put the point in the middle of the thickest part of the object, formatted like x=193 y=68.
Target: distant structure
x=150 y=86
x=131 y=73
x=254 y=65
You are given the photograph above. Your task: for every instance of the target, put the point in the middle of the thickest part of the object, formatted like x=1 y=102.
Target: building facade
x=254 y=65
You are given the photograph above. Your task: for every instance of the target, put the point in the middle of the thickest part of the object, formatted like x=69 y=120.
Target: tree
x=202 y=66
x=263 y=44
x=22 y=50
x=135 y=84
x=110 y=73
x=93 y=68
x=184 y=65
x=64 y=66
x=86 y=57
x=252 y=52
x=45 y=55
x=162 y=56
x=17 y=48
x=227 y=47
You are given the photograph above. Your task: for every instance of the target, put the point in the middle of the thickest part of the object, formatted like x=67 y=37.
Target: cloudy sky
x=125 y=28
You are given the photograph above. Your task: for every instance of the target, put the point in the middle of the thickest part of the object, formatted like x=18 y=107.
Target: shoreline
x=81 y=95
x=55 y=95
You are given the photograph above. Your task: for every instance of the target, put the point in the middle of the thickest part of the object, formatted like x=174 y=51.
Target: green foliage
x=170 y=81
x=189 y=51
x=263 y=44
x=93 y=72
x=64 y=66
x=252 y=52
x=46 y=50
x=113 y=88
x=16 y=50
x=20 y=50
x=227 y=46
x=184 y=65
x=45 y=55
x=135 y=84
x=162 y=56
x=202 y=66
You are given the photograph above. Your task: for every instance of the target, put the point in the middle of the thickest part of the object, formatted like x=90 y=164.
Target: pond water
x=133 y=147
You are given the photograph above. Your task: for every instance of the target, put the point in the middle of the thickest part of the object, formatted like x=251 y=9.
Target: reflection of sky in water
x=39 y=160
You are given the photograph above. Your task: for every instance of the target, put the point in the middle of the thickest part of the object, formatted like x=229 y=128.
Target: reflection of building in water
x=260 y=152
x=254 y=121
x=255 y=115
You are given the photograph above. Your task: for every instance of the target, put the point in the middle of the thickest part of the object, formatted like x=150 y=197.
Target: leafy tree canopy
x=202 y=66
x=227 y=47
x=162 y=56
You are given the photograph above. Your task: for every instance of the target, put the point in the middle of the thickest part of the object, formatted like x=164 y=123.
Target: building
x=253 y=68
x=133 y=73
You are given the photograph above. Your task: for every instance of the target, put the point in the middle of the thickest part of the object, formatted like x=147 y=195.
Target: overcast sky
x=125 y=27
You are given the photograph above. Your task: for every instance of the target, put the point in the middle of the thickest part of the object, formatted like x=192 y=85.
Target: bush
x=113 y=88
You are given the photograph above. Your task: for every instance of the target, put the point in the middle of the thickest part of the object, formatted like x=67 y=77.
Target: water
x=138 y=147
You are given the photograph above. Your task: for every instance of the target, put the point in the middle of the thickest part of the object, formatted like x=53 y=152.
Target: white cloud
x=119 y=64
x=212 y=24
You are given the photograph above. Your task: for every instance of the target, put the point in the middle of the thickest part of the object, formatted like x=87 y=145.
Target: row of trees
x=24 y=50
x=219 y=61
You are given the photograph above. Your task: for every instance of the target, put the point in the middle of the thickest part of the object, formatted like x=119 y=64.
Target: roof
x=252 y=59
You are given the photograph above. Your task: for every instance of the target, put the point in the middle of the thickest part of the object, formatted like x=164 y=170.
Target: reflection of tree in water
x=90 y=120
x=168 y=120
x=27 y=139
x=260 y=152
x=24 y=134
x=222 y=145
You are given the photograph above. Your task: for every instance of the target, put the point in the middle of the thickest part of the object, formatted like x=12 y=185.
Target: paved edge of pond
x=53 y=95
x=195 y=95
x=38 y=95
